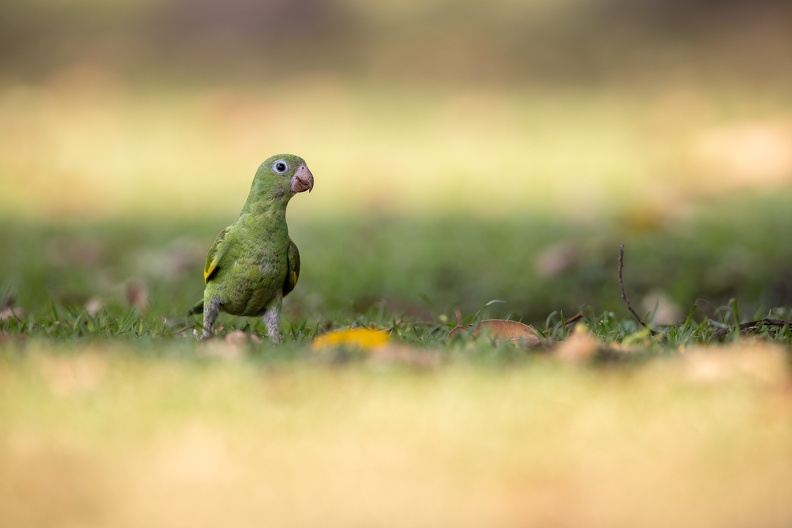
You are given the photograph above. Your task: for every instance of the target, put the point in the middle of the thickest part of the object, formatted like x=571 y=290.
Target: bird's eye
x=280 y=167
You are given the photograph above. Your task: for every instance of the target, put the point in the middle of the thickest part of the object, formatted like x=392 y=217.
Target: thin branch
x=751 y=326
x=624 y=295
x=575 y=318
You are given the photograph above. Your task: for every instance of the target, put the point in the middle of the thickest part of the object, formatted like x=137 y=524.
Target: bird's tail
x=196 y=309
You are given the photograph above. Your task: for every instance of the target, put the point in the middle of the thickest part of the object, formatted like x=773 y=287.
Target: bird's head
x=280 y=177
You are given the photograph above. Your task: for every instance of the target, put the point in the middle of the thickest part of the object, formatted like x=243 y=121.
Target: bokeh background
x=463 y=151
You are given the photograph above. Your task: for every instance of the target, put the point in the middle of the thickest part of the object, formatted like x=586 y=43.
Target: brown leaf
x=232 y=347
x=666 y=311
x=502 y=331
x=137 y=294
x=556 y=259
x=398 y=354
x=763 y=363
x=580 y=346
x=7 y=309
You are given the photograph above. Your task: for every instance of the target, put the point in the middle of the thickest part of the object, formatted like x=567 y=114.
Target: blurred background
x=463 y=151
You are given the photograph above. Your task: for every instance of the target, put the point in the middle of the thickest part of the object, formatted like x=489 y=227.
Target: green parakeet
x=253 y=264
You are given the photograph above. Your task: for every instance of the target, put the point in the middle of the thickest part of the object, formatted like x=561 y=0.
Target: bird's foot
x=203 y=336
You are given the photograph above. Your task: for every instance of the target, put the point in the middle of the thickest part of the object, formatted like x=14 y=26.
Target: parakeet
x=253 y=264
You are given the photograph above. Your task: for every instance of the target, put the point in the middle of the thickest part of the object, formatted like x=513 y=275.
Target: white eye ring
x=280 y=167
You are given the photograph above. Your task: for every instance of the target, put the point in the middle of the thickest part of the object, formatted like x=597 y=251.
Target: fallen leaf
x=556 y=259
x=666 y=311
x=7 y=309
x=501 y=331
x=93 y=306
x=364 y=338
x=398 y=354
x=231 y=347
x=580 y=346
x=764 y=363
x=137 y=294
x=238 y=337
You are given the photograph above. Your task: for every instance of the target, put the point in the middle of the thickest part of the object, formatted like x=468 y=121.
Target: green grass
x=79 y=280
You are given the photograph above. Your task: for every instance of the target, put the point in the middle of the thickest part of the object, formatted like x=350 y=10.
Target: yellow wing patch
x=210 y=269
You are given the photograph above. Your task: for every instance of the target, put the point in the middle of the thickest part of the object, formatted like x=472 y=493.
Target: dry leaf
x=137 y=294
x=398 y=354
x=502 y=330
x=7 y=309
x=666 y=311
x=556 y=259
x=231 y=347
x=755 y=360
x=93 y=306
x=238 y=337
x=578 y=347
x=364 y=338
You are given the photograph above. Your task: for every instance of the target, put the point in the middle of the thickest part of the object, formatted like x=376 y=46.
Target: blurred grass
x=100 y=436
x=196 y=152
x=458 y=198
x=426 y=199
x=86 y=146
x=422 y=267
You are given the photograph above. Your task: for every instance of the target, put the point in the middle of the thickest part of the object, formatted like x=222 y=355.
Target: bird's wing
x=215 y=255
x=293 y=268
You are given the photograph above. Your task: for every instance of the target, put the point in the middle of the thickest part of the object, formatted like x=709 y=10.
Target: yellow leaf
x=364 y=338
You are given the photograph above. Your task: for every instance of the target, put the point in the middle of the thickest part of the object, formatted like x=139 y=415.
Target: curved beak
x=302 y=180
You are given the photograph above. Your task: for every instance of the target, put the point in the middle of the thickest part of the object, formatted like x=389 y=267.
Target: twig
x=624 y=295
x=751 y=326
x=575 y=318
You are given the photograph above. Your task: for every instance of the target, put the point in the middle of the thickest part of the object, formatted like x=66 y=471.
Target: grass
x=113 y=414
x=119 y=279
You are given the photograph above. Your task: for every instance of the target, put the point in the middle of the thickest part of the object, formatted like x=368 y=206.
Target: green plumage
x=253 y=263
